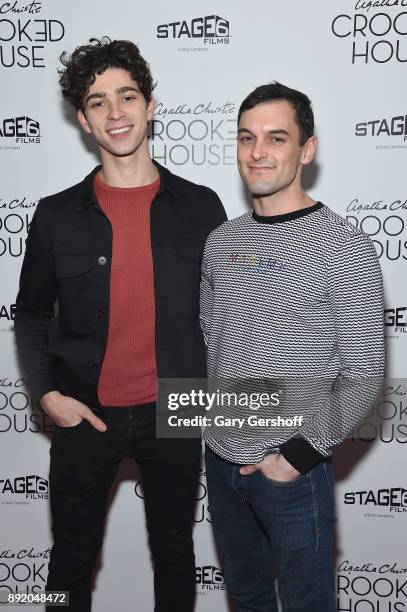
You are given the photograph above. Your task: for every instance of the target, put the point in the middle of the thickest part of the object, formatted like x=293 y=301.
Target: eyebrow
x=272 y=132
x=119 y=91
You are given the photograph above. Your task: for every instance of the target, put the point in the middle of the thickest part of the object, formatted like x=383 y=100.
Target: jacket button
x=91 y=363
x=100 y=314
x=102 y=261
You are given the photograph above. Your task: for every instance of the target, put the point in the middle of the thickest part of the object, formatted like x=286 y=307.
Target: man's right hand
x=66 y=411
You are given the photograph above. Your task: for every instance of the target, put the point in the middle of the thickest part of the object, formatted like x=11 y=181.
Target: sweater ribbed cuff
x=300 y=454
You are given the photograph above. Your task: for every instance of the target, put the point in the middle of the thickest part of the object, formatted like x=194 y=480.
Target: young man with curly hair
x=119 y=252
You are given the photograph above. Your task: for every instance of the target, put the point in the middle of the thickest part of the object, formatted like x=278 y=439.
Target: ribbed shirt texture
x=129 y=376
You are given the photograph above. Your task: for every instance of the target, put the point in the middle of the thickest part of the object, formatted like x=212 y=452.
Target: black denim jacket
x=62 y=308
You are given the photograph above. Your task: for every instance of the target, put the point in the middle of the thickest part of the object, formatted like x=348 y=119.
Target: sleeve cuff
x=300 y=454
x=38 y=390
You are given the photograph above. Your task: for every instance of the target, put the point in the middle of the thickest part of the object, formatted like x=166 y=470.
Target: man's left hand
x=273 y=466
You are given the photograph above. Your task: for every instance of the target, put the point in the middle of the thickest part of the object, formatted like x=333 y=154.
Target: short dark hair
x=272 y=92
x=87 y=61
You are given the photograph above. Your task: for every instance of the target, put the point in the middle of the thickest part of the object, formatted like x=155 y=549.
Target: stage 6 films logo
x=23 y=130
x=395 y=321
x=209 y=578
x=377 y=37
x=7 y=312
x=395 y=126
x=211 y=30
x=394 y=500
x=22 y=489
x=386 y=130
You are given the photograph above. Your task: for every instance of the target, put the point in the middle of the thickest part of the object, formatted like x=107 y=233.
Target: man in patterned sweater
x=291 y=302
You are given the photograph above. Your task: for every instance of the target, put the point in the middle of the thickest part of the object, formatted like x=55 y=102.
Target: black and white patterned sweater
x=296 y=299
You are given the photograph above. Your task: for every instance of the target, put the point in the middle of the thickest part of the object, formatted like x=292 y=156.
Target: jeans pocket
x=285 y=483
x=69 y=427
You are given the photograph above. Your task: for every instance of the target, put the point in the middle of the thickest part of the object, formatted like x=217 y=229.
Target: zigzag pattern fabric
x=292 y=303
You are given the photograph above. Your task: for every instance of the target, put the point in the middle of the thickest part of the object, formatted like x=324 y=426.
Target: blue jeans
x=260 y=523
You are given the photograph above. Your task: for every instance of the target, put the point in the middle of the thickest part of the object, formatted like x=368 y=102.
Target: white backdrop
x=348 y=57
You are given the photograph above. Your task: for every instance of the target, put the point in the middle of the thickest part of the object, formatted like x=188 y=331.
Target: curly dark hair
x=80 y=68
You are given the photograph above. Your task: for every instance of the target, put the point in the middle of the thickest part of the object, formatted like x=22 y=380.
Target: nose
x=259 y=150
x=115 y=110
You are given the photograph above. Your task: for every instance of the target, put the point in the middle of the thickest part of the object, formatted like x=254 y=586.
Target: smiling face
x=116 y=114
x=269 y=154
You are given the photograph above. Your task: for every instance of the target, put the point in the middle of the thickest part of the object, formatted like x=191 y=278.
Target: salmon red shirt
x=129 y=375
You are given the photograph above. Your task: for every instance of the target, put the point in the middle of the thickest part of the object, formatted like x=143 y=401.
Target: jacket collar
x=87 y=195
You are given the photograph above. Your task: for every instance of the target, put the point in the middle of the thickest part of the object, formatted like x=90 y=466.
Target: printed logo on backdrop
x=373 y=31
x=23 y=570
x=202 y=511
x=371 y=587
x=387 y=421
x=22 y=490
x=198 y=134
x=385 y=133
x=25 y=34
x=208 y=578
x=17 y=412
x=210 y=31
x=15 y=219
x=7 y=313
x=18 y=131
x=385 y=221
x=395 y=323
x=388 y=502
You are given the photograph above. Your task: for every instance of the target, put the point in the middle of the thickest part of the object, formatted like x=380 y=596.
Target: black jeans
x=84 y=463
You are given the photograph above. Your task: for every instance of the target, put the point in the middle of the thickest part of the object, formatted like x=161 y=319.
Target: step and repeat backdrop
x=350 y=58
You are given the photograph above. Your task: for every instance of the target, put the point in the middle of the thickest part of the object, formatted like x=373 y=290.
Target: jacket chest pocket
x=73 y=274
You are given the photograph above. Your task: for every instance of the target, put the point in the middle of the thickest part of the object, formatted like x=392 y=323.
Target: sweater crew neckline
x=295 y=214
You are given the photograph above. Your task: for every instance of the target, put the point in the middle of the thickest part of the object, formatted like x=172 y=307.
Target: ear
x=150 y=109
x=84 y=122
x=309 y=150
